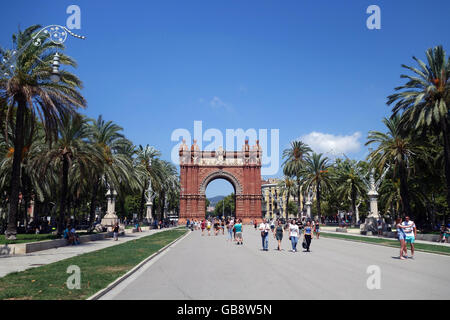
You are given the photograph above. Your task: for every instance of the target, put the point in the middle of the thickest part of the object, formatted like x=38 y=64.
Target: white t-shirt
x=293 y=230
x=264 y=227
x=409 y=232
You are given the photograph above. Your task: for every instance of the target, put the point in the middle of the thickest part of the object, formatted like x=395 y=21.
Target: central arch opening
x=220 y=198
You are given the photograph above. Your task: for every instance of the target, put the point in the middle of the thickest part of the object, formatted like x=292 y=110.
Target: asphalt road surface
x=209 y=267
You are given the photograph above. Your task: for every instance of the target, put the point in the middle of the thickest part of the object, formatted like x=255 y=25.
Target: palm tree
x=316 y=176
x=70 y=151
x=117 y=164
x=286 y=186
x=350 y=182
x=295 y=162
x=425 y=101
x=30 y=88
x=394 y=149
x=148 y=171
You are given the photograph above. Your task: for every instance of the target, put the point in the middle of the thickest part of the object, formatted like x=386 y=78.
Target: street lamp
x=56 y=34
x=55 y=71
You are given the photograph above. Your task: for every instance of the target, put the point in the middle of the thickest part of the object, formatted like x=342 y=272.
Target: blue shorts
x=401 y=236
x=410 y=239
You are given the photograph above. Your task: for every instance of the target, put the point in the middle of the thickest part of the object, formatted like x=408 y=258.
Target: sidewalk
x=15 y=263
x=384 y=238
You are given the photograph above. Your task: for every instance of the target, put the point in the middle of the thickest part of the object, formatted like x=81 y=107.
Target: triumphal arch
x=241 y=168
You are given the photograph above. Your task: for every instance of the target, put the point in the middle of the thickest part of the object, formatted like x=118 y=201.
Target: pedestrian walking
x=230 y=226
x=308 y=235
x=401 y=238
x=208 y=227
x=410 y=233
x=279 y=234
x=239 y=229
x=293 y=235
x=203 y=226
x=264 y=227
x=116 y=232
x=317 y=229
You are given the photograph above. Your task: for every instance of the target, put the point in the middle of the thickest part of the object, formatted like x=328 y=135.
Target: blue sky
x=311 y=69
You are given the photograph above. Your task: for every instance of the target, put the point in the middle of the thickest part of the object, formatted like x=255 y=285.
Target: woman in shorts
x=238 y=229
x=401 y=237
x=317 y=229
x=279 y=234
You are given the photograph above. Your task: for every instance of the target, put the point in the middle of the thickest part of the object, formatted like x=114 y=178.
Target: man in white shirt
x=410 y=233
x=264 y=227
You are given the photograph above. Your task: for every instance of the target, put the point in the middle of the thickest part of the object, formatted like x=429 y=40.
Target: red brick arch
x=241 y=168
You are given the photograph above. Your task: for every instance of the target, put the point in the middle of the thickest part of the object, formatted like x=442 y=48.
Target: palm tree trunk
x=63 y=198
x=11 y=230
x=93 y=202
x=446 y=137
x=318 y=200
x=298 y=198
x=141 y=206
x=287 y=204
x=404 y=193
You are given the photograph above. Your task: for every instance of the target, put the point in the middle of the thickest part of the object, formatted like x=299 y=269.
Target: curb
x=113 y=284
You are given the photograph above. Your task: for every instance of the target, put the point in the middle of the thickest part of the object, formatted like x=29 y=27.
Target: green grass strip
x=24 y=238
x=98 y=269
x=445 y=250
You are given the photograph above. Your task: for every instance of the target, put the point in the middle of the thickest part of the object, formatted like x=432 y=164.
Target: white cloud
x=217 y=103
x=333 y=144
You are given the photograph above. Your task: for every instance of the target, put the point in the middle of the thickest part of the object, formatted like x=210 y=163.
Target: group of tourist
x=294 y=228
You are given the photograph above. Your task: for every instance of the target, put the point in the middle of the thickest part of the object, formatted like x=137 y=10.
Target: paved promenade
x=211 y=268
x=13 y=263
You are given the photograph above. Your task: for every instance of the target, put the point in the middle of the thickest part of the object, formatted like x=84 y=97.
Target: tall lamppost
x=56 y=34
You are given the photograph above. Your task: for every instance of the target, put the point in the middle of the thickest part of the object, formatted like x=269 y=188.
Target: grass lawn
x=22 y=238
x=390 y=243
x=98 y=269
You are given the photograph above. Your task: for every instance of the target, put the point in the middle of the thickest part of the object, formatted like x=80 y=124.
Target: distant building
x=274 y=199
